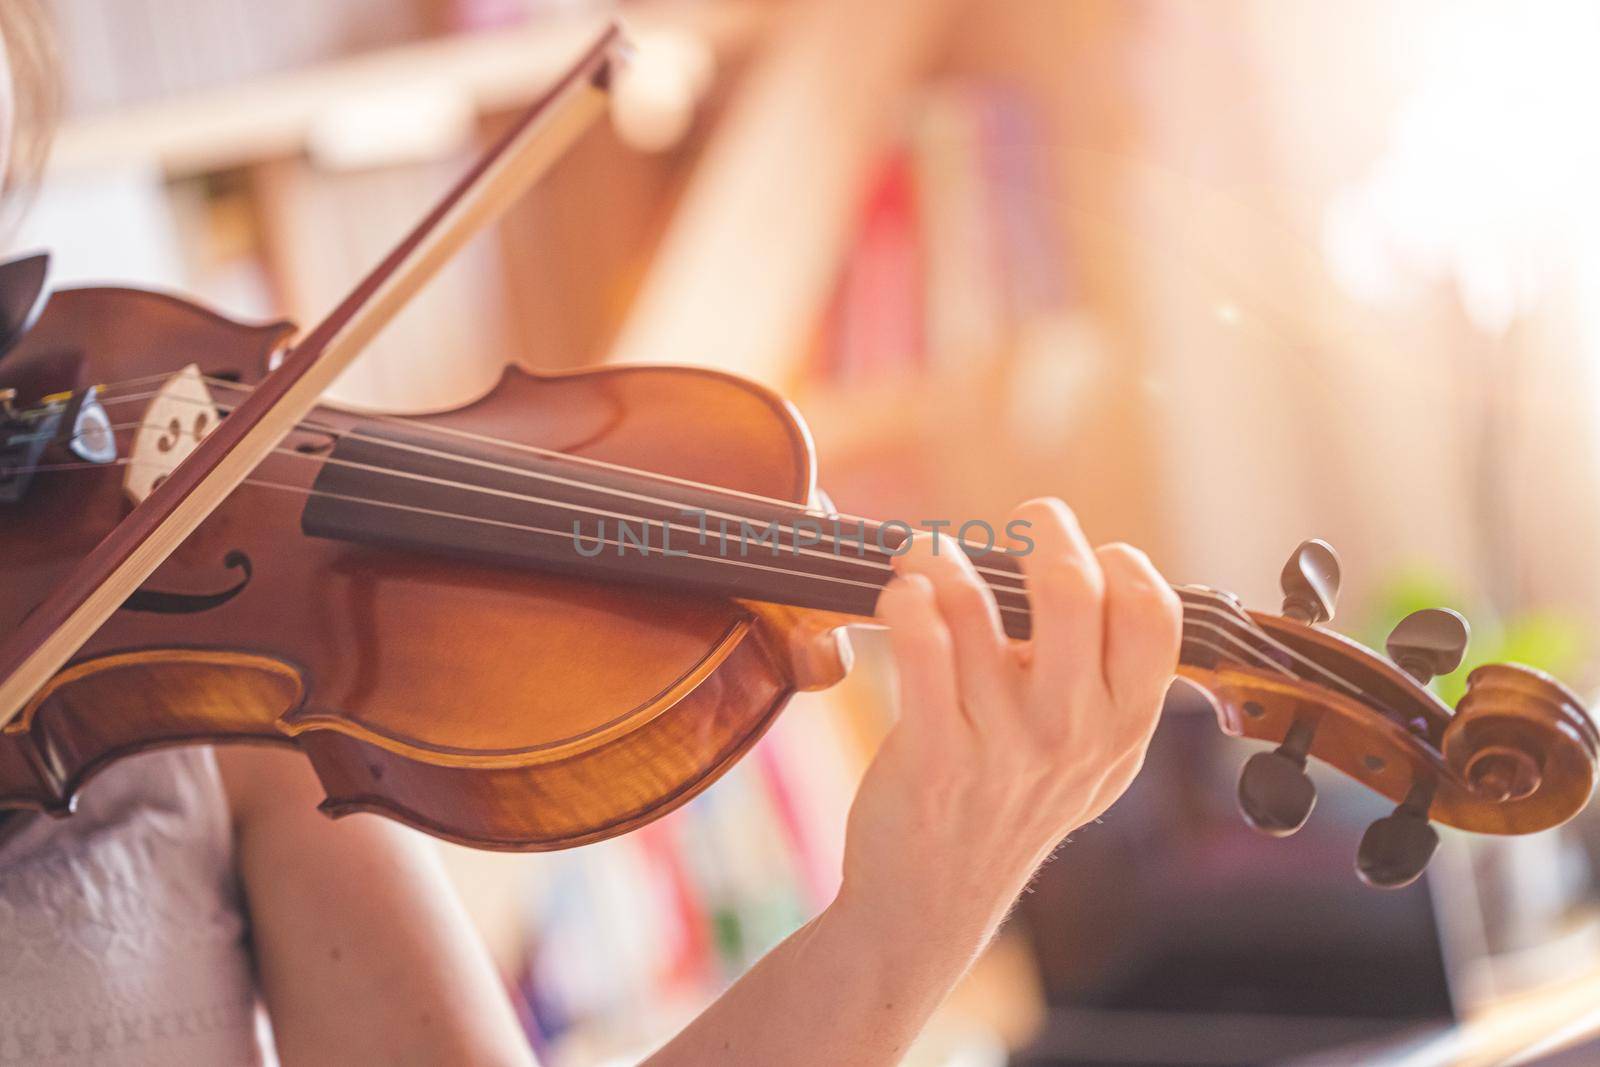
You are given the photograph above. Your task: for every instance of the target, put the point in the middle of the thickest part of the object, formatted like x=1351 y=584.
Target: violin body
x=502 y=708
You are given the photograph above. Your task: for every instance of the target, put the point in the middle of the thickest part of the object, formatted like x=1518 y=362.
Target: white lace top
x=122 y=934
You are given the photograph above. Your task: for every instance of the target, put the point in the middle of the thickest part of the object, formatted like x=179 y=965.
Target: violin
x=556 y=613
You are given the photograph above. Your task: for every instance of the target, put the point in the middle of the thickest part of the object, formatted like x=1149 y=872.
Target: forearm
x=1001 y=750
x=853 y=987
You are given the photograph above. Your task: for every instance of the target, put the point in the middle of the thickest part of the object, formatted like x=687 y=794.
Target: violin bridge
x=177 y=420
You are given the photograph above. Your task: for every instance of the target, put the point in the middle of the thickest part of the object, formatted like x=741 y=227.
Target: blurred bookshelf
x=945 y=305
x=956 y=343
x=954 y=326
x=918 y=218
x=915 y=217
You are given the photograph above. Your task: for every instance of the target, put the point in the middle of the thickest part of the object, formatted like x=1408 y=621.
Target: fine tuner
x=1496 y=763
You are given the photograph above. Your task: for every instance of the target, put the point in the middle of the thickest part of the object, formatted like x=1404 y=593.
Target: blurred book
x=877 y=316
x=631 y=937
x=958 y=259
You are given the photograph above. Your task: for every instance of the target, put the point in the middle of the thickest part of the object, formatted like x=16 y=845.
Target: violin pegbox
x=1395 y=849
x=177 y=419
x=1519 y=754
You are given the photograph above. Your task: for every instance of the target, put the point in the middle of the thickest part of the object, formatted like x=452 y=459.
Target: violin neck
x=501 y=504
x=496 y=504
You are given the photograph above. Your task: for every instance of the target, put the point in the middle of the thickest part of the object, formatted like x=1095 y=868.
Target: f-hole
x=160 y=602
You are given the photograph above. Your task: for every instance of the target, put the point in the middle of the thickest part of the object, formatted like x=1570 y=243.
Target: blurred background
x=1223 y=274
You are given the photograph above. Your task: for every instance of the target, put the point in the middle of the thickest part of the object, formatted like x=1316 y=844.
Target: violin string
x=1239 y=617
x=818 y=552
x=1250 y=653
x=832 y=544
x=591 y=512
x=833 y=552
x=466 y=516
x=601 y=541
x=622 y=546
x=860 y=557
x=223 y=383
x=102 y=391
x=1242 y=619
x=1197 y=602
x=830 y=552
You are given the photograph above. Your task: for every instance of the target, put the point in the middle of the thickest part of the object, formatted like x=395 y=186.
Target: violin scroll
x=1512 y=724
x=1518 y=755
x=1518 y=734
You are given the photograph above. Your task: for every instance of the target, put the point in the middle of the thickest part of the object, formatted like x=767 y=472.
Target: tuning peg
x=1396 y=849
x=1429 y=643
x=1275 y=793
x=1310 y=582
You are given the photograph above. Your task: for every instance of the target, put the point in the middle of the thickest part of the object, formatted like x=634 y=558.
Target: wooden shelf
x=273 y=117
